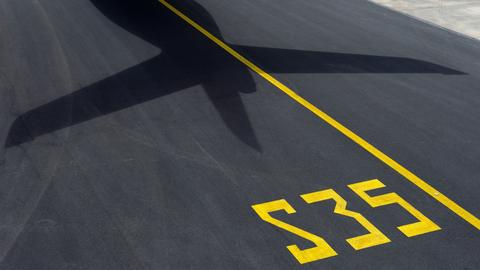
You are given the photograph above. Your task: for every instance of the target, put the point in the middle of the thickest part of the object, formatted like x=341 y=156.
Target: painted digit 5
x=424 y=225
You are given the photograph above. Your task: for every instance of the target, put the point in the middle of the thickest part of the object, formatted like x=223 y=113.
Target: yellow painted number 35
x=374 y=237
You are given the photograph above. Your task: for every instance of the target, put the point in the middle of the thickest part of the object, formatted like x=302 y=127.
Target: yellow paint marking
x=374 y=238
x=410 y=176
x=424 y=225
x=321 y=250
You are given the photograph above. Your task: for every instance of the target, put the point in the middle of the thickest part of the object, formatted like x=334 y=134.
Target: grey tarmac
x=131 y=141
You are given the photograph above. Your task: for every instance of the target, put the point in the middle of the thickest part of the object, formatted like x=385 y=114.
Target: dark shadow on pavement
x=189 y=59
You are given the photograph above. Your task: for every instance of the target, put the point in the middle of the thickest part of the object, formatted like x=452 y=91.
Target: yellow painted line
x=410 y=176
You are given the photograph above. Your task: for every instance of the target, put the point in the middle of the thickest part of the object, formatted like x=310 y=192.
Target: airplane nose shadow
x=188 y=59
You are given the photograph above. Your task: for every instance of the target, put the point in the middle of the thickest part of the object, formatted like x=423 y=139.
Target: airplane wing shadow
x=135 y=85
x=297 y=61
x=156 y=78
x=149 y=80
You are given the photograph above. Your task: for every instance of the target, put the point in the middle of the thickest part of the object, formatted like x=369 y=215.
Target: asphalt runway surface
x=133 y=141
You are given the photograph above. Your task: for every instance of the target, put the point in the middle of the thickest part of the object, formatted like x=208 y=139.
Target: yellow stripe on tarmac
x=427 y=188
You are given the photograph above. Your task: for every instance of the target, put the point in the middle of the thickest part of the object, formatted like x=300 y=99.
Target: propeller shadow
x=188 y=59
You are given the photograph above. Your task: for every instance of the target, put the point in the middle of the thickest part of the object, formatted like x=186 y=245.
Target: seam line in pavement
x=410 y=176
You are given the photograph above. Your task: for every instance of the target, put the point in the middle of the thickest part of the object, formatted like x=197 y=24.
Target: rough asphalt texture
x=133 y=142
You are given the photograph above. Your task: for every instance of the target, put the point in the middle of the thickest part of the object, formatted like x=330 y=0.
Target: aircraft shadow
x=188 y=59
